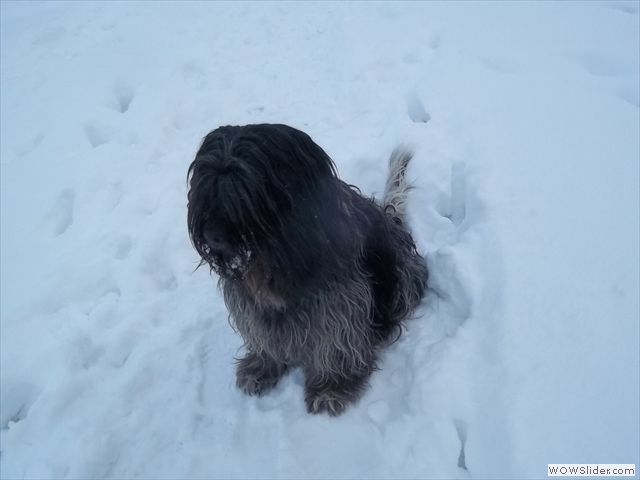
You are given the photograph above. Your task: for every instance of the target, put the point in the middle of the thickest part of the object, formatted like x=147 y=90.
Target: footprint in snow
x=451 y=203
x=61 y=213
x=158 y=272
x=29 y=146
x=629 y=92
x=121 y=97
x=119 y=353
x=82 y=353
x=458 y=193
x=416 y=110
x=16 y=399
x=631 y=8
x=122 y=246
x=605 y=64
x=498 y=64
x=435 y=41
x=97 y=134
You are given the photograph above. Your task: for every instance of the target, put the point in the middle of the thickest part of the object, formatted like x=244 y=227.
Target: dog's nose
x=215 y=242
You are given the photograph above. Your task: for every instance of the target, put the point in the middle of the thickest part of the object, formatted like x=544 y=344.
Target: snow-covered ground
x=117 y=359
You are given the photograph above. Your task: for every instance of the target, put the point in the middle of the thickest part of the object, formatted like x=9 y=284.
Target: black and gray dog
x=314 y=274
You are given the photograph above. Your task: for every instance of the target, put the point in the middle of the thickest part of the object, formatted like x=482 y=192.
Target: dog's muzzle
x=226 y=260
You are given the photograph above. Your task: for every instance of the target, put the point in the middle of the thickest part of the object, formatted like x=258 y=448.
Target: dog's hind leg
x=258 y=374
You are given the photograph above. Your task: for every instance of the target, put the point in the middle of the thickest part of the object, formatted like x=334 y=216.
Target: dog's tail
x=396 y=188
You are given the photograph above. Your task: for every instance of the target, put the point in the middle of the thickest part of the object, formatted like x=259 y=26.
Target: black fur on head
x=265 y=202
x=314 y=274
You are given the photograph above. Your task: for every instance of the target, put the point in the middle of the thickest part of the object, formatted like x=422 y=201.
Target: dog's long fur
x=314 y=274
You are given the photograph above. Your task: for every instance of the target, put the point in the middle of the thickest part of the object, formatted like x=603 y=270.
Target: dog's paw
x=252 y=385
x=326 y=402
x=256 y=375
x=334 y=394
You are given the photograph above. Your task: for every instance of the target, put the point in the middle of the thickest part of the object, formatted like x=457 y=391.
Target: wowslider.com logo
x=591 y=470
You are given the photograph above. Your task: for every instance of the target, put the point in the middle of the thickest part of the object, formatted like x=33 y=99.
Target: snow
x=117 y=358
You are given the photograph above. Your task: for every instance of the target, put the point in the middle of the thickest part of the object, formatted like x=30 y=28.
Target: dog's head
x=263 y=203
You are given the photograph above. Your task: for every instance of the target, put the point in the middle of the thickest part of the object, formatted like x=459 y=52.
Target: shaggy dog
x=314 y=274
